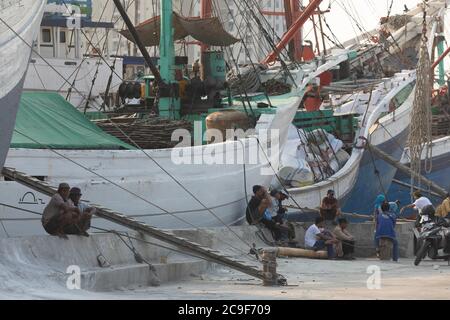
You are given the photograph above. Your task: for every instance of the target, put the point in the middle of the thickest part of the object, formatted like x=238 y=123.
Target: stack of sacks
x=311 y=157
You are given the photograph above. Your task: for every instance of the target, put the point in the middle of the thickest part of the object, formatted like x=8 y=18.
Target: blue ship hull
x=440 y=174
x=375 y=176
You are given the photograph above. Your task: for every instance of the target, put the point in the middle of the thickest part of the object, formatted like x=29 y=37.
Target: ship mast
x=205 y=13
x=292 y=12
x=169 y=104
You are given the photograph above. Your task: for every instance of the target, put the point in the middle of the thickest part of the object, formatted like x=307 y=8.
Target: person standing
x=196 y=68
x=419 y=203
x=386 y=222
x=381 y=198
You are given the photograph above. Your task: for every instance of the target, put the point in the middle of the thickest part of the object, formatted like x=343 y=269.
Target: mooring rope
x=420 y=137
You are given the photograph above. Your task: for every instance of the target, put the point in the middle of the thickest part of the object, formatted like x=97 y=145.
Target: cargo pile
x=441 y=125
x=154 y=133
x=311 y=157
x=275 y=87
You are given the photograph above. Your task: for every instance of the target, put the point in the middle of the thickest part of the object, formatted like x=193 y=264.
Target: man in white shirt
x=420 y=203
x=317 y=238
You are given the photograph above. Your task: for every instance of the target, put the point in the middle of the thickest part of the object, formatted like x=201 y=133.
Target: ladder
x=165 y=236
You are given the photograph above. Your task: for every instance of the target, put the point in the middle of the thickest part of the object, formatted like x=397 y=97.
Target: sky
x=366 y=12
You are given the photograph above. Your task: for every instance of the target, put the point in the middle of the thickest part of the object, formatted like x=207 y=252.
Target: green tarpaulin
x=48 y=120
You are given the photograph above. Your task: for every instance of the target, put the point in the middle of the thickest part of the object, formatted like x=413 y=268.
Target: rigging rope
x=420 y=137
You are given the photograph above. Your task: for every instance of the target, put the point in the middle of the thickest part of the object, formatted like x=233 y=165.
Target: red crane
x=293 y=30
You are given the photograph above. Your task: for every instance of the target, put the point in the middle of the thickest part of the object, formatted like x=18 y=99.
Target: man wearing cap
x=329 y=209
x=59 y=213
x=279 y=214
x=86 y=212
x=278 y=211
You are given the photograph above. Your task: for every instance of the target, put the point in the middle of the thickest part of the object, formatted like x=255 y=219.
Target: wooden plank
x=384 y=156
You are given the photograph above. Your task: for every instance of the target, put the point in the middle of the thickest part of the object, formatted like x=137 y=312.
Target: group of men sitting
x=340 y=244
x=268 y=210
x=65 y=214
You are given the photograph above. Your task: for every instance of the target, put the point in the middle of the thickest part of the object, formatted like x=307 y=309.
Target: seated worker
x=443 y=210
x=86 y=212
x=59 y=213
x=346 y=244
x=257 y=205
x=316 y=238
x=278 y=211
x=258 y=211
x=385 y=228
x=330 y=209
x=420 y=203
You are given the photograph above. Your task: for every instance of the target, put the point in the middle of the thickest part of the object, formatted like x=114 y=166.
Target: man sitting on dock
x=86 y=212
x=279 y=212
x=330 y=209
x=346 y=243
x=317 y=238
x=59 y=213
x=258 y=211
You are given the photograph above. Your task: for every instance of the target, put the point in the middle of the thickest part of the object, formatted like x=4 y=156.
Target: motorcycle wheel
x=421 y=253
x=433 y=253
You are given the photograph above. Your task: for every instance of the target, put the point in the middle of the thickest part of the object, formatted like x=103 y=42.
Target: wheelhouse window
x=46 y=36
x=62 y=37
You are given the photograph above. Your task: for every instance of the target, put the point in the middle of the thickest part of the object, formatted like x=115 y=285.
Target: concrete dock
x=38 y=268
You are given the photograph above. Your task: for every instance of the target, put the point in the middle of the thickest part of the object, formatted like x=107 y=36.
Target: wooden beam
x=406 y=170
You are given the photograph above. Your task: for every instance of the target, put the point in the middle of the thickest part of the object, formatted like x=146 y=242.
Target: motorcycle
x=433 y=240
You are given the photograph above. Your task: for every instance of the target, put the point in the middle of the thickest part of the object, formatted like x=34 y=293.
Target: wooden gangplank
x=164 y=236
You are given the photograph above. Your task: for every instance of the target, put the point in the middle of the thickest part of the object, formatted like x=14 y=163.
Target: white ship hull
x=344 y=181
x=62 y=73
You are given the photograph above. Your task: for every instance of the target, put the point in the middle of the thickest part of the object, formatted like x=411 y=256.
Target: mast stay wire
x=248 y=54
x=270 y=41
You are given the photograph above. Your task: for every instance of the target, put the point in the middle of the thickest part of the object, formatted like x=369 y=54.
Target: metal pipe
x=206 y=12
x=138 y=42
x=442 y=56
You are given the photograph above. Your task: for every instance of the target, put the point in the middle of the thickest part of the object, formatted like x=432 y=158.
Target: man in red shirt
x=330 y=208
